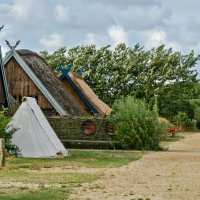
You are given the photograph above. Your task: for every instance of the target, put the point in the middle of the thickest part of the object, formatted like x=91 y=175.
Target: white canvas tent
x=35 y=137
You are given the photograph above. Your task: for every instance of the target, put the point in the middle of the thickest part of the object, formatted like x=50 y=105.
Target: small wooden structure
x=83 y=93
x=29 y=75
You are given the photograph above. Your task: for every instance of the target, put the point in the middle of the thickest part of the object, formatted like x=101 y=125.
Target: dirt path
x=170 y=175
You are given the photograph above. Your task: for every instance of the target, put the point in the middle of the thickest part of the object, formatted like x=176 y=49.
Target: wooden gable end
x=20 y=85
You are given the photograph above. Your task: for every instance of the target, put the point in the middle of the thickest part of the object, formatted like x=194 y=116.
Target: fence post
x=2 y=152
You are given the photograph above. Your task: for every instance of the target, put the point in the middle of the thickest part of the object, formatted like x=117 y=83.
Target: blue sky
x=50 y=24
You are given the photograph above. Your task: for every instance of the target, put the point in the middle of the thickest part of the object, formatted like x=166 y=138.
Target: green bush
x=197 y=117
x=137 y=127
x=163 y=124
x=184 y=122
x=7 y=131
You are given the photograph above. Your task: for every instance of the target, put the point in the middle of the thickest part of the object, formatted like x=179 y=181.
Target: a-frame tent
x=34 y=136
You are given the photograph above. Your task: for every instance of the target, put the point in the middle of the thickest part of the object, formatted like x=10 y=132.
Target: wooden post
x=2 y=152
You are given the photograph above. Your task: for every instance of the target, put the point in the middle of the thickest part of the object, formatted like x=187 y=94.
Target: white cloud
x=3 y=32
x=174 y=45
x=91 y=38
x=156 y=38
x=18 y=9
x=196 y=48
x=117 y=34
x=62 y=14
x=4 y=8
x=21 y=8
x=51 y=42
x=101 y=22
x=4 y=51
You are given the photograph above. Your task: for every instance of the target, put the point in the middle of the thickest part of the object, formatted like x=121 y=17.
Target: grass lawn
x=35 y=179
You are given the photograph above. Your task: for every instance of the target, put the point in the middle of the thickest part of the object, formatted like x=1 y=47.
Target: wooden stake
x=2 y=152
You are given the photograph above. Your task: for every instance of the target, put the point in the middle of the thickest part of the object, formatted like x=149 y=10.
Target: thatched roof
x=86 y=94
x=98 y=104
x=40 y=68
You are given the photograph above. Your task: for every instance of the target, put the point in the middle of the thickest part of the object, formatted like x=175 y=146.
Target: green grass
x=50 y=194
x=78 y=159
x=56 y=177
x=104 y=159
x=48 y=178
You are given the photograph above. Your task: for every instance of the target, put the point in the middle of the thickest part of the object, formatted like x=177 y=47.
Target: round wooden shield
x=88 y=127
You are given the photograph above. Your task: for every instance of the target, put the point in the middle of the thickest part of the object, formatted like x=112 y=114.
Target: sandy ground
x=169 y=175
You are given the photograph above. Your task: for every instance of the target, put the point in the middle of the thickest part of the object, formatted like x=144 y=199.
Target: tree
x=7 y=131
x=58 y=57
x=127 y=70
x=179 y=97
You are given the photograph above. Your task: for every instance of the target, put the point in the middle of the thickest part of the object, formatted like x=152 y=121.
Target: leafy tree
x=127 y=70
x=197 y=117
x=6 y=132
x=183 y=121
x=58 y=57
x=196 y=106
x=179 y=97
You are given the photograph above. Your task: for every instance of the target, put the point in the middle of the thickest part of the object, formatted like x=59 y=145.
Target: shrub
x=197 y=117
x=163 y=124
x=184 y=122
x=136 y=126
x=7 y=131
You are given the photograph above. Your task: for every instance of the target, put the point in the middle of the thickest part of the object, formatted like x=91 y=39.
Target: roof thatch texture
x=40 y=68
x=97 y=103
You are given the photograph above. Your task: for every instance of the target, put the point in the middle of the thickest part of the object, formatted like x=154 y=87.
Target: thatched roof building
x=83 y=93
x=29 y=75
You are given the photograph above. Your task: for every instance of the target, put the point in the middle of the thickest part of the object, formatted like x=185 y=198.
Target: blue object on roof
x=81 y=70
x=71 y=82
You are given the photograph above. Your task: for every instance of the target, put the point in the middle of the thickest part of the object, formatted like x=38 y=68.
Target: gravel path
x=169 y=175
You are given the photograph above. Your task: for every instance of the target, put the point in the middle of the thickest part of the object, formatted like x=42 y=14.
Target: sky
x=51 y=24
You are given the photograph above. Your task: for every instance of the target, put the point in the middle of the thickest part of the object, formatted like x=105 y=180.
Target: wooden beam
x=2 y=152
